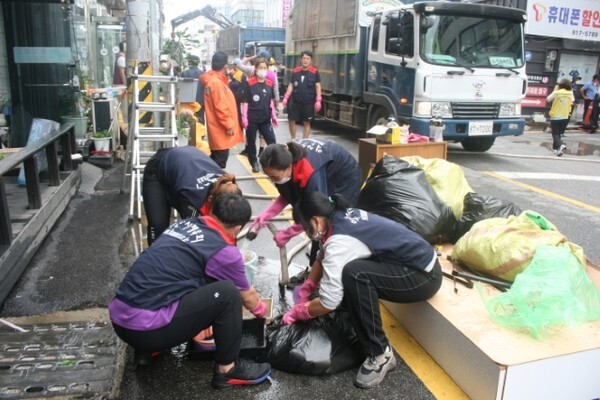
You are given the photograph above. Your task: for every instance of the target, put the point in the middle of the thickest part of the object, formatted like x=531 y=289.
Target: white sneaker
x=374 y=369
x=561 y=150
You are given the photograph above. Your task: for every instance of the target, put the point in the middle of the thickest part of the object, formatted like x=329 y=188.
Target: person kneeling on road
x=363 y=258
x=191 y=278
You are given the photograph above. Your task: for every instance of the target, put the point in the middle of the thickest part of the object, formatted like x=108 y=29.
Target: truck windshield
x=471 y=42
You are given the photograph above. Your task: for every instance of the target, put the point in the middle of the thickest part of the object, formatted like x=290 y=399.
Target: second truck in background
x=461 y=62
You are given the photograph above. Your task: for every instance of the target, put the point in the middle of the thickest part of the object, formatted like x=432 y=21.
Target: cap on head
x=219 y=60
x=192 y=59
x=237 y=62
x=264 y=54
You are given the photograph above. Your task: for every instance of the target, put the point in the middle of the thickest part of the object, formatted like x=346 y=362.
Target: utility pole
x=138 y=32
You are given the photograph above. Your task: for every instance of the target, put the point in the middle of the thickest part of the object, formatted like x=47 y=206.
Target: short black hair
x=232 y=209
x=308 y=53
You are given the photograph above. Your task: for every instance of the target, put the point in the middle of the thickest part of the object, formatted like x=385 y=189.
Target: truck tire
x=478 y=143
x=379 y=116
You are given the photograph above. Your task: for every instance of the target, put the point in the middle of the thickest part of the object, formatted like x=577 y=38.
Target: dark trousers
x=366 y=281
x=220 y=157
x=217 y=304
x=265 y=129
x=158 y=201
x=558 y=127
x=593 y=113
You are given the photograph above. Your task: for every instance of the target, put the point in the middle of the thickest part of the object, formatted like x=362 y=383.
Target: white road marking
x=547 y=176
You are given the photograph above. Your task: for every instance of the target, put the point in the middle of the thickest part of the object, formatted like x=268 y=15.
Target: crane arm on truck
x=207 y=12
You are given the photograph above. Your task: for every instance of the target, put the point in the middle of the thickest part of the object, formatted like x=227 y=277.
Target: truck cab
x=459 y=62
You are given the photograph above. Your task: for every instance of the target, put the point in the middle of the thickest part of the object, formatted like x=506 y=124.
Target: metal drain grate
x=57 y=360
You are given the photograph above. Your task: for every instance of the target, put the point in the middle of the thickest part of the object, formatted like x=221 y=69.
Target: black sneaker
x=244 y=153
x=255 y=168
x=243 y=373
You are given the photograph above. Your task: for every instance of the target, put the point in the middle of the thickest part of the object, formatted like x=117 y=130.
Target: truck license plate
x=483 y=128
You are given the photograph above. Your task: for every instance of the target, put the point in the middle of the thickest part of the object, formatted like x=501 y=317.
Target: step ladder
x=145 y=139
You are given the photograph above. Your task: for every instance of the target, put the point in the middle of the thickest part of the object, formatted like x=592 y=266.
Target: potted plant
x=101 y=140
x=185 y=121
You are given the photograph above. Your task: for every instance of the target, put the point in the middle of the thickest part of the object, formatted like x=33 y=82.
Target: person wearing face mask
x=257 y=112
x=363 y=257
x=308 y=165
x=191 y=278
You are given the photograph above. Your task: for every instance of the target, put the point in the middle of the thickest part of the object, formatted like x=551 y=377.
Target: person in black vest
x=308 y=165
x=305 y=92
x=194 y=72
x=257 y=112
x=364 y=257
x=183 y=178
x=191 y=279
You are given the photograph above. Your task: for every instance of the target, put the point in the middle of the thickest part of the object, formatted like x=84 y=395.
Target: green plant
x=104 y=133
x=179 y=45
x=185 y=121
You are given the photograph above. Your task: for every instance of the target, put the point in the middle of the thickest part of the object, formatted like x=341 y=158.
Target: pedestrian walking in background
x=364 y=258
x=120 y=67
x=562 y=103
x=304 y=95
x=589 y=94
x=257 y=110
x=191 y=279
x=183 y=178
x=222 y=124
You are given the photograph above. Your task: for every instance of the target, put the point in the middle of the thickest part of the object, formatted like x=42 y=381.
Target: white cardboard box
x=489 y=361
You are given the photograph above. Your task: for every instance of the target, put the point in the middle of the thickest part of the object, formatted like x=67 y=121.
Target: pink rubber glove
x=298 y=313
x=271 y=211
x=260 y=310
x=274 y=120
x=245 y=115
x=318 y=104
x=282 y=237
x=285 y=99
x=303 y=292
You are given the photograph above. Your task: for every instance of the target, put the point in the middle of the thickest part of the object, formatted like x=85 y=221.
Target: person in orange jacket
x=222 y=124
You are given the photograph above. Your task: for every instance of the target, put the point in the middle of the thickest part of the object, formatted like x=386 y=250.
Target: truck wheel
x=379 y=117
x=478 y=143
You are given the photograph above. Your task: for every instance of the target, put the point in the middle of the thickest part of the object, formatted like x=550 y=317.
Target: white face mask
x=317 y=235
x=261 y=74
x=283 y=181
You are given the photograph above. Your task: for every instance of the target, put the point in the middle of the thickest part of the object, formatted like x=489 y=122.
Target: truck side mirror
x=396 y=45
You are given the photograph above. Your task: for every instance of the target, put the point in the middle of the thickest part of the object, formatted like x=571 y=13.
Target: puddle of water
x=577 y=148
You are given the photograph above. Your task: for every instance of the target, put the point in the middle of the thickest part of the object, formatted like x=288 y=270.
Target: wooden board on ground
x=490 y=361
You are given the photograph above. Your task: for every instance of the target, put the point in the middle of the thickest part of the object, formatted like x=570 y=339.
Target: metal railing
x=65 y=136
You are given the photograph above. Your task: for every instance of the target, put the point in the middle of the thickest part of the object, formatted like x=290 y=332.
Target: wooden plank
x=27 y=241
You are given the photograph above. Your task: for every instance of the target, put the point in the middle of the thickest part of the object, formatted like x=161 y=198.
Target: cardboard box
x=385 y=134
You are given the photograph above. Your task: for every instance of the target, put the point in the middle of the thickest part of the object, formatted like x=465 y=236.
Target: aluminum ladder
x=143 y=140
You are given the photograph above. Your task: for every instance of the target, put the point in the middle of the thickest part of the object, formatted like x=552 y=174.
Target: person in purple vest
x=363 y=258
x=193 y=277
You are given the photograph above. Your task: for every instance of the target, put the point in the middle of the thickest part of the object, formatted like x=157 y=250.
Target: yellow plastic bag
x=504 y=247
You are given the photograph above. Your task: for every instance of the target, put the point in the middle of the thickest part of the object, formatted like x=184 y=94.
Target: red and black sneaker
x=243 y=373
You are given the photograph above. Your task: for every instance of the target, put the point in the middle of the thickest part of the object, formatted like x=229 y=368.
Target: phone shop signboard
x=575 y=19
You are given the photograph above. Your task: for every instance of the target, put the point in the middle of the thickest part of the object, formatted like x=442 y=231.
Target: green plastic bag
x=554 y=291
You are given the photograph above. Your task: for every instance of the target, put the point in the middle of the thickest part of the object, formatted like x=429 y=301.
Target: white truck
x=461 y=62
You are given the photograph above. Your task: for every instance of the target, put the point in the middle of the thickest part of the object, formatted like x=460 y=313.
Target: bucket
x=81 y=124
x=250 y=260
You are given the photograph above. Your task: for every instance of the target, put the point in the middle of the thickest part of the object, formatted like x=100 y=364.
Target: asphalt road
x=88 y=251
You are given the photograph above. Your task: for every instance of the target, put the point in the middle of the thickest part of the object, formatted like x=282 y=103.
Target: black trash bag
x=479 y=207
x=321 y=346
x=399 y=191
